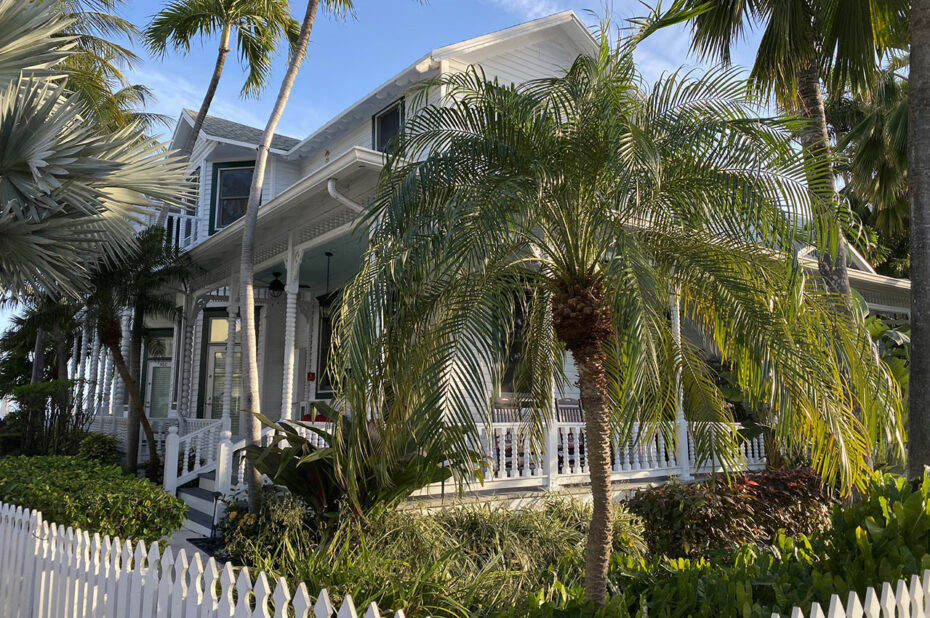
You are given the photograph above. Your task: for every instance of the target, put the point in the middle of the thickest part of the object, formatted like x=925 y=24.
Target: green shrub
x=99 y=447
x=466 y=560
x=883 y=537
x=708 y=518
x=91 y=496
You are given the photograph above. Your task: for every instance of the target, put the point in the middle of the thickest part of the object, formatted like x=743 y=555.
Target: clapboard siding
x=358 y=134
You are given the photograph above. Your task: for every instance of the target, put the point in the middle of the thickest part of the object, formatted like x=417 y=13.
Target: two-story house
x=308 y=246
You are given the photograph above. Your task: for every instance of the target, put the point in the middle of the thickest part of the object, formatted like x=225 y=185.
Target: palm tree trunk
x=211 y=91
x=592 y=379
x=582 y=320
x=251 y=403
x=136 y=411
x=135 y=397
x=38 y=357
x=918 y=175
x=816 y=141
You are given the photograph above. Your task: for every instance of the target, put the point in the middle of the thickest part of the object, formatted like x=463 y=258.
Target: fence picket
x=166 y=580
x=262 y=594
x=194 y=591
x=180 y=585
x=323 y=608
x=301 y=602
x=854 y=606
x=348 y=608
x=211 y=577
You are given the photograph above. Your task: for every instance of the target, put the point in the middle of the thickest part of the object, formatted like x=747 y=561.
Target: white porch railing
x=514 y=461
x=50 y=571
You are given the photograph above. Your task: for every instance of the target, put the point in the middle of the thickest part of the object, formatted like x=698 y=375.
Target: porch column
x=94 y=371
x=124 y=350
x=681 y=425
x=232 y=311
x=106 y=383
x=190 y=318
x=292 y=289
x=81 y=370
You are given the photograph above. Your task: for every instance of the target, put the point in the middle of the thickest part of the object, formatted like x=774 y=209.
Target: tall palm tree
x=146 y=283
x=250 y=396
x=583 y=203
x=96 y=68
x=874 y=146
x=918 y=170
x=259 y=26
x=803 y=43
x=71 y=192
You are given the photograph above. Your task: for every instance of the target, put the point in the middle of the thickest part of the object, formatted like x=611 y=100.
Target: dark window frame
x=215 y=188
x=375 y=133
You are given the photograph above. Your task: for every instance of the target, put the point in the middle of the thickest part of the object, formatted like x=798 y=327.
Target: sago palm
x=69 y=192
x=585 y=203
x=259 y=26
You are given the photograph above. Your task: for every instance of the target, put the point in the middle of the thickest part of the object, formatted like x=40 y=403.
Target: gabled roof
x=426 y=67
x=227 y=130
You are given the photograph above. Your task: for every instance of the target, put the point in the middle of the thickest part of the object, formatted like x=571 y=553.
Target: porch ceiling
x=304 y=211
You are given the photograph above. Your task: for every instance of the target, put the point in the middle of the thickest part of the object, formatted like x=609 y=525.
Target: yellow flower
x=232 y=515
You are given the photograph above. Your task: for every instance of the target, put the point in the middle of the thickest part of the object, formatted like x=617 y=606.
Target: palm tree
x=71 y=192
x=583 y=203
x=802 y=43
x=250 y=395
x=146 y=283
x=95 y=69
x=918 y=170
x=871 y=155
x=259 y=25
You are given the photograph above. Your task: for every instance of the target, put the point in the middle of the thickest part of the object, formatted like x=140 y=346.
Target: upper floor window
x=386 y=125
x=231 y=182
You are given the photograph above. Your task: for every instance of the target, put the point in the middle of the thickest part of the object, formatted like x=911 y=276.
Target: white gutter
x=342 y=199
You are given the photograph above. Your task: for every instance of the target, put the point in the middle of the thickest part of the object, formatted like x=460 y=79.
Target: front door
x=216 y=385
x=158 y=389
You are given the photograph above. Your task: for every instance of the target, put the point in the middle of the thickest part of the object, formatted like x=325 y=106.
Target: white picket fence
x=902 y=600
x=49 y=571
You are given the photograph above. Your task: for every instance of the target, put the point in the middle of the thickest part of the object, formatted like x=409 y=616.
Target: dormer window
x=386 y=125
x=231 y=184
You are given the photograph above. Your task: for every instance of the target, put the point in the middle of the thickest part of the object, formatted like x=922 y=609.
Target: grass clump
x=463 y=560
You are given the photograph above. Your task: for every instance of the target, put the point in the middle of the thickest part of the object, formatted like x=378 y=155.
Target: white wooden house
x=315 y=189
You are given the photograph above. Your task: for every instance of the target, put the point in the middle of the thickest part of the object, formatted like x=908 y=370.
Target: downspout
x=342 y=199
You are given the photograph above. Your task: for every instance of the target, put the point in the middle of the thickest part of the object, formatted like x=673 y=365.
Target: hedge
x=91 y=496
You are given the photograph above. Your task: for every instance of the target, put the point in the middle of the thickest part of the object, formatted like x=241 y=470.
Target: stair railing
x=189 y=455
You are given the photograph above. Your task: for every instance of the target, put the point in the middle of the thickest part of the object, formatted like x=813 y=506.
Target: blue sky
x=350 y=57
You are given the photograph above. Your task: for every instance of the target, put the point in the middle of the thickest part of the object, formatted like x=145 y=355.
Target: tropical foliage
x=712 y=517
x=360 y=469
x=259 y=26
x=465 y=560
x=803 y=45
x=91 y=496
x=75 y=204
x=144 y=285
x=583 y=203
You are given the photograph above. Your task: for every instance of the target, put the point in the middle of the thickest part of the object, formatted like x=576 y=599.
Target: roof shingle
x=227 y=129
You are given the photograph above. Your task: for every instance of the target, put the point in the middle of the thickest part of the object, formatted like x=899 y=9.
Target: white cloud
x=530 y=9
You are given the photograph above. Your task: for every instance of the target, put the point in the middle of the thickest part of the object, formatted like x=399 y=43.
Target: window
x=386 y=126
x=232 y=193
